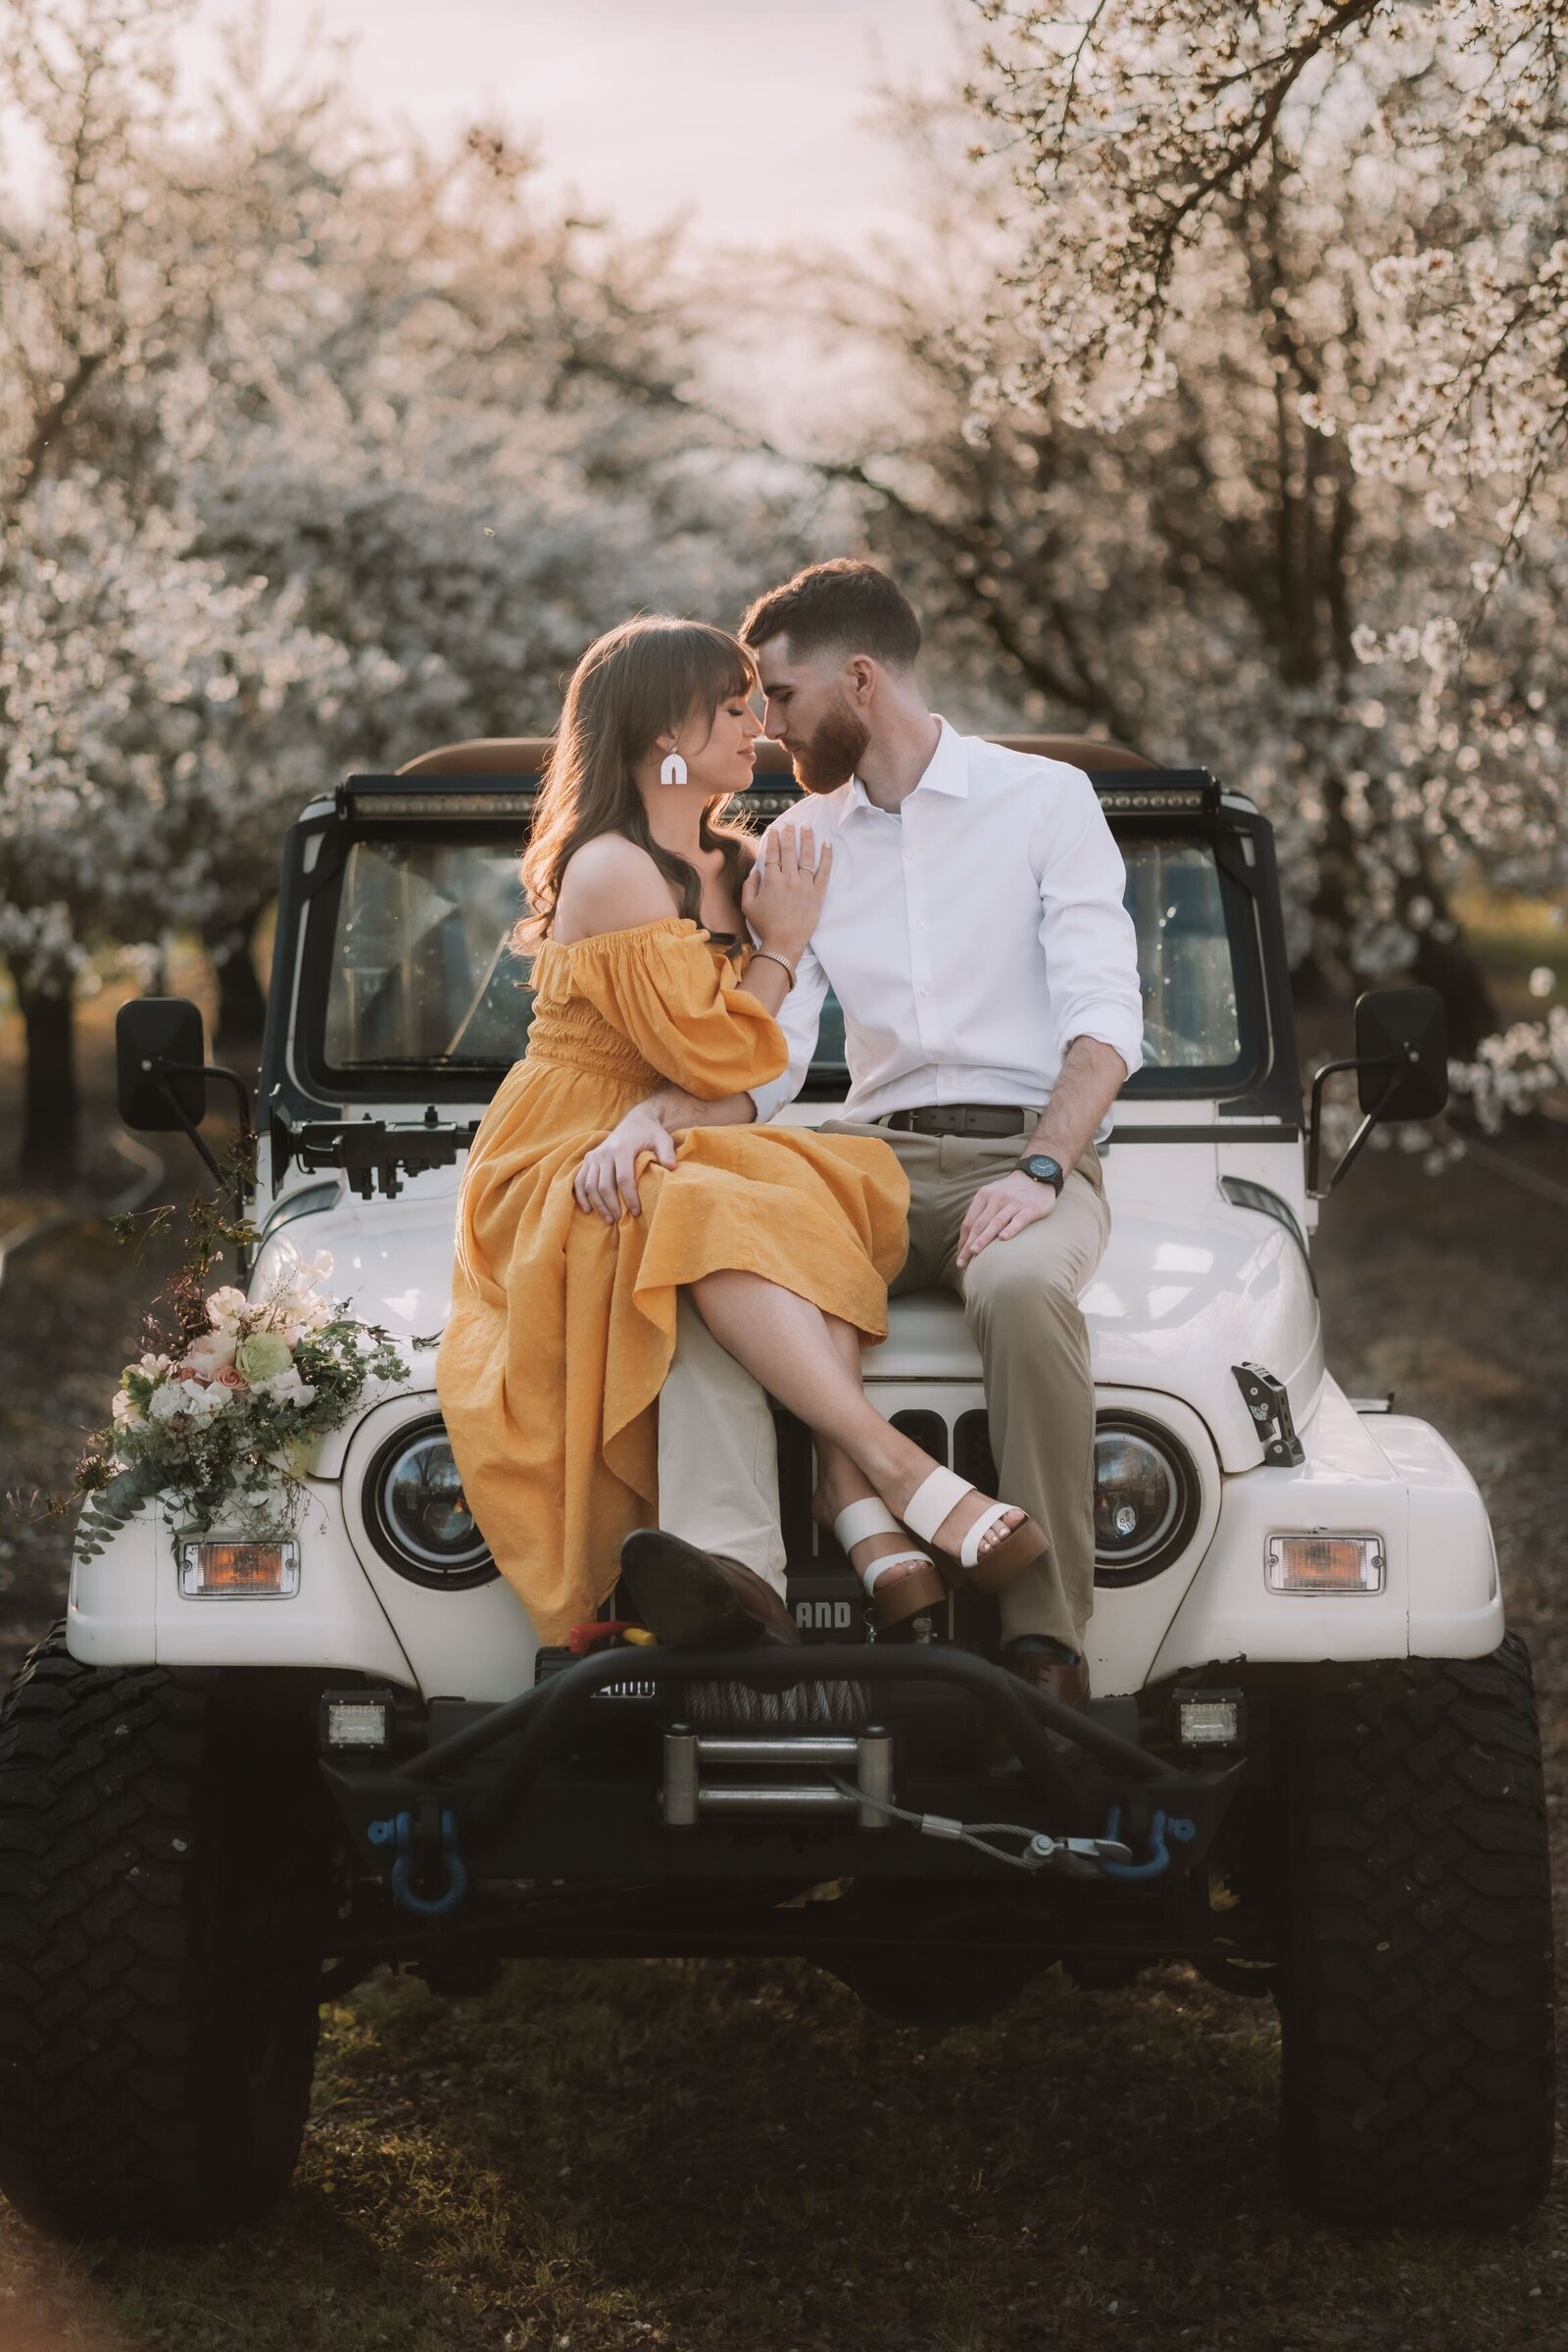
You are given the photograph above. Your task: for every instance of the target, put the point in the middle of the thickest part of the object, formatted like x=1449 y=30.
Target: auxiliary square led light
x=1324 y=1564
x=1210 y=1719
x=356 y=1719
x=222 y=1571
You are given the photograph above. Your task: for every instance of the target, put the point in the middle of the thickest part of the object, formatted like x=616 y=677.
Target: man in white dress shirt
x=975 y=937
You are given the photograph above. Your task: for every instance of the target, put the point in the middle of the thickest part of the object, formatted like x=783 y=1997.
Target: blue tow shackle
x=1157 y=1859
x=401 y=1833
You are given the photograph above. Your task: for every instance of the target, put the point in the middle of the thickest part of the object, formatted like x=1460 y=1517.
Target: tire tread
x=1416 y=1999
x=109 y=1825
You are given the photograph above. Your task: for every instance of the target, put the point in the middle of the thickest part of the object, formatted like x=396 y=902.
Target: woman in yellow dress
x=562 y=1322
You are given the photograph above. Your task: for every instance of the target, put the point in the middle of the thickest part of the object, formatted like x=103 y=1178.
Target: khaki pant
x=718 y=1452
x=717 y=1465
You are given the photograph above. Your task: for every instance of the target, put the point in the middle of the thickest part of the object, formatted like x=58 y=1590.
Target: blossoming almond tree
x=1172 y=540
x=120 y=656
x=430 y=430
x=127 y=663
x=1342 y=222
x=1133 y=125
x=486 y=453
x=415 y=435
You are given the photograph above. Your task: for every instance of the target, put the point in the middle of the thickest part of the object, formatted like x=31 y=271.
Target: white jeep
x=1311 y=1767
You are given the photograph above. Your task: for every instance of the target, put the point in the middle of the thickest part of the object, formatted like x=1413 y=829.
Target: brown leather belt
x=959 y=1118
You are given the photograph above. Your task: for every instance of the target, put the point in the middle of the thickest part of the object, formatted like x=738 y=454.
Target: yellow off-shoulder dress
x=562 y=1327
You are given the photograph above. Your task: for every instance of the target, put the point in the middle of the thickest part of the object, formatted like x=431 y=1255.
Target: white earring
x=673 y=770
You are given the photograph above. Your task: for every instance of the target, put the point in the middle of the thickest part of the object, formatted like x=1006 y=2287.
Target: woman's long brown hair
x=632 y=685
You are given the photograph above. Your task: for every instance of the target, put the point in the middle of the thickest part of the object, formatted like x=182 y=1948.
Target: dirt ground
x=714 y=2157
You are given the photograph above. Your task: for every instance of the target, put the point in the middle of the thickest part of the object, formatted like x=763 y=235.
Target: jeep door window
x=421 y=974
x=1185 y=960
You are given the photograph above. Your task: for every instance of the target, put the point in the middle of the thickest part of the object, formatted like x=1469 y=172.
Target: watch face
x=1044 y=1169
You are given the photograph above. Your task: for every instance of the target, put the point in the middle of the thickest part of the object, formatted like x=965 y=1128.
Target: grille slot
x=972 y=1457
x=976 y=1616
x=927 y=1429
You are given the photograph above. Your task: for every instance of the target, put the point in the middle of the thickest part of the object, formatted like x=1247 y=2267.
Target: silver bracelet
x=773 y=956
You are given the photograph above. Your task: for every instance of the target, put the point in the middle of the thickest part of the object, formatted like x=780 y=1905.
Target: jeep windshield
x=420 y=976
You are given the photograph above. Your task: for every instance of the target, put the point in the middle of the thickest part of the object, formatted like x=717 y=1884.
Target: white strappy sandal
x=939 y=1494
x=909 y=1595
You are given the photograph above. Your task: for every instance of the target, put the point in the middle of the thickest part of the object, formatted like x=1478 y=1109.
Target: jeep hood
x=1179 y=1300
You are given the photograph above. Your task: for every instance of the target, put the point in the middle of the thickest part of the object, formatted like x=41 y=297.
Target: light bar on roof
x=1184 y=791
x=397 y=806
x=1162 y=802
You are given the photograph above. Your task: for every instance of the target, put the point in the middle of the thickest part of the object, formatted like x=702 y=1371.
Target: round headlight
x=417 y=1515
x=1145 y=1499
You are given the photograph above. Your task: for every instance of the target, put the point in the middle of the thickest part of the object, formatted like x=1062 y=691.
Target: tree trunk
x=1443 y=960
x=241 y=1003
x=51 y=1111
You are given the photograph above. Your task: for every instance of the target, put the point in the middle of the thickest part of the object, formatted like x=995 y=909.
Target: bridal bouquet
x=218 y=1424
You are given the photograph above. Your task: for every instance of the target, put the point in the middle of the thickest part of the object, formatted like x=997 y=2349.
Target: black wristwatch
x=1044 y=1170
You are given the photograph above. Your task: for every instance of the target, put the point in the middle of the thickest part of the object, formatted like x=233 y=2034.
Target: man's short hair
x=839 y=604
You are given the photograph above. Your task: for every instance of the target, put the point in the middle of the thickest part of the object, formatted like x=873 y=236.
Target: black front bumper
x=562 y=1786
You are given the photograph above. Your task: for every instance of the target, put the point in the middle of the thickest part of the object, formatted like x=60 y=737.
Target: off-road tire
x=158 y=1857
x=1415 y=1985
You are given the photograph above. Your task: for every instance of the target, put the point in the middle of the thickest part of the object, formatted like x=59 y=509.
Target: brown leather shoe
x=1065 y=1680
x=694 y=1600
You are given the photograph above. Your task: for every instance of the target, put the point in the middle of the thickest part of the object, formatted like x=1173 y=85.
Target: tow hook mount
x=429 y=1876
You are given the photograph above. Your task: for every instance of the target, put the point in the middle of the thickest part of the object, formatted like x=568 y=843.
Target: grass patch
x=716 y=2156
x=1512 y=936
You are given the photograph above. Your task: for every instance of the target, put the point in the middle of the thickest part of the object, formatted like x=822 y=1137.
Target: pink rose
x=229 y=1376
x=211 y=1353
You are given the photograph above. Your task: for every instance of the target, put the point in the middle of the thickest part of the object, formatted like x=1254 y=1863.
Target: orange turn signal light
x=1324 y=1564
x=234 y=1571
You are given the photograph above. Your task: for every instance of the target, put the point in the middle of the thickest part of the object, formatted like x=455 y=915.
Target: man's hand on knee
x=1000 y=1209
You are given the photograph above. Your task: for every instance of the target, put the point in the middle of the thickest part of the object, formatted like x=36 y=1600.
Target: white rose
x=305 y=1315
x=212 y=1352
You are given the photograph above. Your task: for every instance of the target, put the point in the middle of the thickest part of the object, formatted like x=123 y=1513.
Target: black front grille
x=824 y=1591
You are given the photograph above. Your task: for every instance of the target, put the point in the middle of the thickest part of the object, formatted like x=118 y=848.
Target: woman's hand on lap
x=607 y=1181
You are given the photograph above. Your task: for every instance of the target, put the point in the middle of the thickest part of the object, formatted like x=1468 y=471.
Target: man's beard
x=834 y=751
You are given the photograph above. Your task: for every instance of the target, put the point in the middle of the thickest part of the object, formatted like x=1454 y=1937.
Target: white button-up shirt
x=968 y=939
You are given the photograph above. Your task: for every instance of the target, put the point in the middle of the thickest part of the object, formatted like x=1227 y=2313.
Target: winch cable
x=1039 y=1850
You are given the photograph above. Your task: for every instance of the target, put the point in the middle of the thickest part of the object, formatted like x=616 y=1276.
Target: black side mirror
x=160 y=1074
x=160 y=1059
x=1401 y=1064
x=1401 y=1053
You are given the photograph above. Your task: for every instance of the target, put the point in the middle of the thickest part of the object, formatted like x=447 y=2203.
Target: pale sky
x=750 y=114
